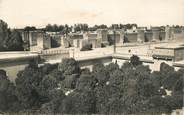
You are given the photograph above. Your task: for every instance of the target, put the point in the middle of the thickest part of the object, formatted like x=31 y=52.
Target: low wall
x=89 y=63
x=12 y=67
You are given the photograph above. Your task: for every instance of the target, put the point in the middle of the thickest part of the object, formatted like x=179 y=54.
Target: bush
x=69 y=66
x=135 y=60
x=86 y=47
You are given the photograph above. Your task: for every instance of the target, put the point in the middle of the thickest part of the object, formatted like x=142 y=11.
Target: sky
x=21 y=13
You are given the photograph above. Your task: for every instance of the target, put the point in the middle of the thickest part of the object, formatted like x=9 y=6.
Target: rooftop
x=171 y=46
x=16 y=55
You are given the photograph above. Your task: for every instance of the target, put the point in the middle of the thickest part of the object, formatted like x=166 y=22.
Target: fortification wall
x=162 y=36
x=178 y=36
x=131 y=37
x=148 y=36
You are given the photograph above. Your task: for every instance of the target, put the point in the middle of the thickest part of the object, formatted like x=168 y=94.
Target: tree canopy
x=67 y=89
x=10 y=39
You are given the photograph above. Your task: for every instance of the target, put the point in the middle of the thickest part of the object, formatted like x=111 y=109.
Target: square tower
x=39 y=41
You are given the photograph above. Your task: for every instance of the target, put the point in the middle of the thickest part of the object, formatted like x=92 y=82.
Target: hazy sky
x=19 y=13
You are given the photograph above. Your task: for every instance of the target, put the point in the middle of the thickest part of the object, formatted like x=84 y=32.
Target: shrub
x=135 y=60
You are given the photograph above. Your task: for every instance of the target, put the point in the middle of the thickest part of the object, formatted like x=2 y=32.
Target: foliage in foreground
x=65 y=88
x=10 y=40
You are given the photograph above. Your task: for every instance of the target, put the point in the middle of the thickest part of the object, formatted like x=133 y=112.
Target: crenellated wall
x=140 y=35
x=102 y=34
x=162 y=36
x=38 y=40
x=155 y=34
x=148 y=36
x=131 y=37
x=178 y=35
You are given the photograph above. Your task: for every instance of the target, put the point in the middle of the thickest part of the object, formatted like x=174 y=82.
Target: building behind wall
x=178 y=34
x=172 y=53
x=25 y=36
x=122 y=35
x=168 y=33
x=140 y=35
x=65 y=43
x=73 y=37
x=148 y=36
x=88 y=38
x=162 y=35
x=25 y=39
x=131 y=37
x=118 y=34
x=155 y=33
x=111 y=37
x=102 y=36
x=55 y=41
x=39 y=41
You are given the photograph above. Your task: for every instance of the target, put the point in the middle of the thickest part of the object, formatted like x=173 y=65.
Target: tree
x=135 y=60
x=85 y=82
x=61 y=28
x=29 y=28
x=101 y=76
x=15 y=42
x=57 y=74
x=102 y=73
x=98 y=67
x=114 y=26
x=80 y=27
x=8 y=98
x=70 y=81
x=39 y=87
x=106 y=90
x=27 y=84
x=47 y=68
x=156 y=79
x=178 y=87
x=171 y=79
x=144 y=85
x=10 y=40
x=66 y=29
x=95 y=27
x=69 y=66
x=3 y=74
x=157 y=104
x=47 y=84
x=55 y=104
x=127 y=65
x=54 y=28
x=49 y=28
x=85 y=71
x=167 y=73
x=111 y=67
x=79 y=102
x=165 y=69
x=4 y=35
